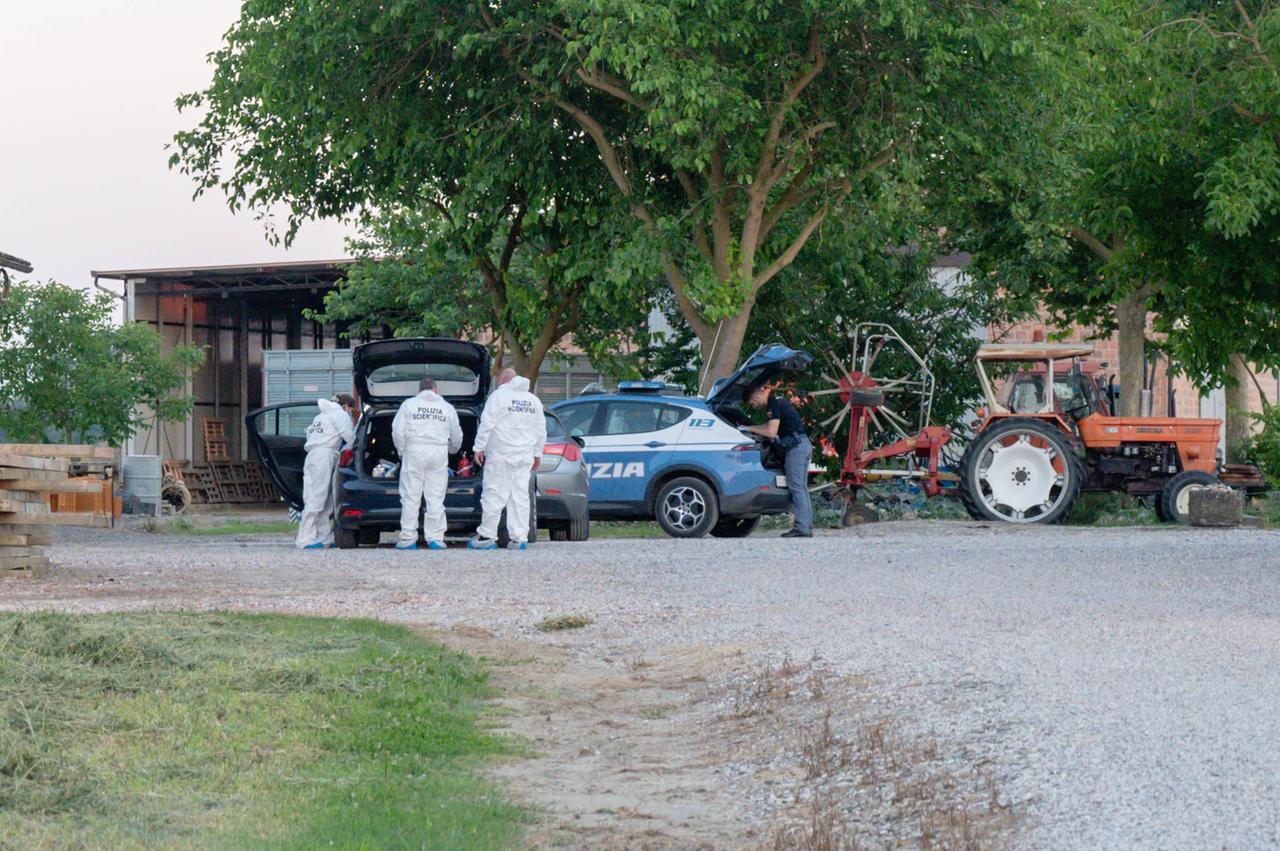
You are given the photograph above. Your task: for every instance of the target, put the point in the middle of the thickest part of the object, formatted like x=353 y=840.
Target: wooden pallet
x=215 y=440
x=31 y=477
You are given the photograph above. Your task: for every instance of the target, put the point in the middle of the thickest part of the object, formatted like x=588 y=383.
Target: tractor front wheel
x=1020 y=470
x=1175 y=497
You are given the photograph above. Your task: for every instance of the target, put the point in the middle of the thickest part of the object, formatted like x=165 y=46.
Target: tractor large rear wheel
x=1020 y=470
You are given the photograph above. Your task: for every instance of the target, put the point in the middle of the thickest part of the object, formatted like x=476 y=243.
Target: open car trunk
x=378 y=447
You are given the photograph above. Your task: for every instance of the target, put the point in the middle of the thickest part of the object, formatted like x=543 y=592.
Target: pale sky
x=86 y=108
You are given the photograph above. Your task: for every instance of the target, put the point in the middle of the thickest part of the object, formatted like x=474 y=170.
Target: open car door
x=278 y=433
x=767 y=363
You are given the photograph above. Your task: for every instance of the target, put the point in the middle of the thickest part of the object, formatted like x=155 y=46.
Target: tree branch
x=612 y=85
x=514 y=233
x=1097 y=246
x=785 y=259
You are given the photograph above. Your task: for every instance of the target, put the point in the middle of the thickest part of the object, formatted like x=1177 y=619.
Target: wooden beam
x=52 y=485
x=59 y=450
x=24 y=462
x=35 y=539
x=58 y=518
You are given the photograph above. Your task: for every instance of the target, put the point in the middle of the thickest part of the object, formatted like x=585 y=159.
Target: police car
x=682 y=461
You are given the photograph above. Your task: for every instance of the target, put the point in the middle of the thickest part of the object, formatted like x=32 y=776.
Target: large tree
x=734 y=130
x=731 y=131
x=66 y=368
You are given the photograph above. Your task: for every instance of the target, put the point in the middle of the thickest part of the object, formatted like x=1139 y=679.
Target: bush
x=1263 y=448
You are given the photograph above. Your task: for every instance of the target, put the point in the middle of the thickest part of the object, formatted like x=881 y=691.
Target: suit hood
x=328 y=407
x=520 y=384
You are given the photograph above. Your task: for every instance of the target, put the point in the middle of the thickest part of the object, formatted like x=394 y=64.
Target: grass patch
x=183 y=526
x=556 y=623
x=626 y=529
x=230 y=731
x=1111 y=509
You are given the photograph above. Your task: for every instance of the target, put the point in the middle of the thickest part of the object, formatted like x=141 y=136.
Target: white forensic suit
x=328 y=433
x=425 y=431
x=512 y=433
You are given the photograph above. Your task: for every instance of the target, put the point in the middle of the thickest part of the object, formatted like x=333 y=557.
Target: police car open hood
x=388 y=371
x=767 y=363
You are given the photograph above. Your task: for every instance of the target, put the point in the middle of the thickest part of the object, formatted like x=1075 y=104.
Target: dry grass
x=557 y=623
x=860 y=778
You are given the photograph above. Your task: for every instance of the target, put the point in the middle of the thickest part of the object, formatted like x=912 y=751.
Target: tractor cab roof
x=1032 y=351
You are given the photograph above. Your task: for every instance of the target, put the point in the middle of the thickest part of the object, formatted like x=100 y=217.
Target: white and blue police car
x=682 y=461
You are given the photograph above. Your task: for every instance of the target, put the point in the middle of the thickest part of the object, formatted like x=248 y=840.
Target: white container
x=142 y=479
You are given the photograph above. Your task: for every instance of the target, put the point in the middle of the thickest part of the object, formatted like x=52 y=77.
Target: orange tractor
x=1044 y=436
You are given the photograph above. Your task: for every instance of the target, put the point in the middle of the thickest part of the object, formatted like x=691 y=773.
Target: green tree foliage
x=489 y=215
x=1144 y=179
x=735 y=130
x=66 y=368
x=728 y=132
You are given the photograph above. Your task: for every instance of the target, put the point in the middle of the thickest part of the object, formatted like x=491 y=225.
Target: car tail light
x=346 y=458
x=553 y=452
x=568 y=450
x=352 y=512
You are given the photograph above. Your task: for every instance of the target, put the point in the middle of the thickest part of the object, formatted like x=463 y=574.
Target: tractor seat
x=866 y=397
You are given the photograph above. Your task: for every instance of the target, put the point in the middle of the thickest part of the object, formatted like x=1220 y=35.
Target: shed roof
x=240 y=277
x=1033 y=351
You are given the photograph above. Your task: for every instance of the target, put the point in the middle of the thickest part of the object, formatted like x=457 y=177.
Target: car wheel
x=686 y=508
x=735 y=527
x=1176 y=494
x=578 y=529
x=369 y=537
x=346 y=539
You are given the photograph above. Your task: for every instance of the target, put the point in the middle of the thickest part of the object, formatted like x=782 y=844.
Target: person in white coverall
x=512 y=433
x=333 y=428
x=425 y=432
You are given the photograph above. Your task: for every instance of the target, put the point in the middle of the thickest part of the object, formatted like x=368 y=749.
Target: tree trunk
x=722 y=351
x=1239 y=425
x=1131 y=322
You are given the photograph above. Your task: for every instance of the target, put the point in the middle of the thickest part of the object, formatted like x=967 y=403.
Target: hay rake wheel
x=885 y=410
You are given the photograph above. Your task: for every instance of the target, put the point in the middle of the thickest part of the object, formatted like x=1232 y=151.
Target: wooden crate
x=33 y=477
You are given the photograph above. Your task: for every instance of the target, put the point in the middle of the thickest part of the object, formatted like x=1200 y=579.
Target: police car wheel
x=687 y=508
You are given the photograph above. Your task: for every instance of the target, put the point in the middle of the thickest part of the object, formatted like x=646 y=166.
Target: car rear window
x=554 y=428
x=401 y=379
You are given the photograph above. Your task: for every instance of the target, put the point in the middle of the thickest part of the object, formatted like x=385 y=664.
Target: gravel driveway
x=1123 y=683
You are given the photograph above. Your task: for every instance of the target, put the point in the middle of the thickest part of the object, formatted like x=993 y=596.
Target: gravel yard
x=1122 y=686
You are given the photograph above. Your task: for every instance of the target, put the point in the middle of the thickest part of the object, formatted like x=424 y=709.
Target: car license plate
x=780 y=481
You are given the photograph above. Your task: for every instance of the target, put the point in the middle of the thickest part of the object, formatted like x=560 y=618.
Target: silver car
x=562 y=485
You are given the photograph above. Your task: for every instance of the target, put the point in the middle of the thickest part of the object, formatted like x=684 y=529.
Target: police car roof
x=691 y=401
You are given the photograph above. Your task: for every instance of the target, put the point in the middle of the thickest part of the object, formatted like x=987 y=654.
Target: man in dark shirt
x=783 y=424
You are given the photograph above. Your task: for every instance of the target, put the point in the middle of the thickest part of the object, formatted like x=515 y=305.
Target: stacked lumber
x=29 y=475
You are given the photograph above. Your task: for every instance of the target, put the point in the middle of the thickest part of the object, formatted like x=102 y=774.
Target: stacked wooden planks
x=29 y=473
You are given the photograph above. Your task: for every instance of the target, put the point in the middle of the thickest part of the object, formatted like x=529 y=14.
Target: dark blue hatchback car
x=366 y=489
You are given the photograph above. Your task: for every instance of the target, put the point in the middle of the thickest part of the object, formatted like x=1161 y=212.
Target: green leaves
x=66 y=368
